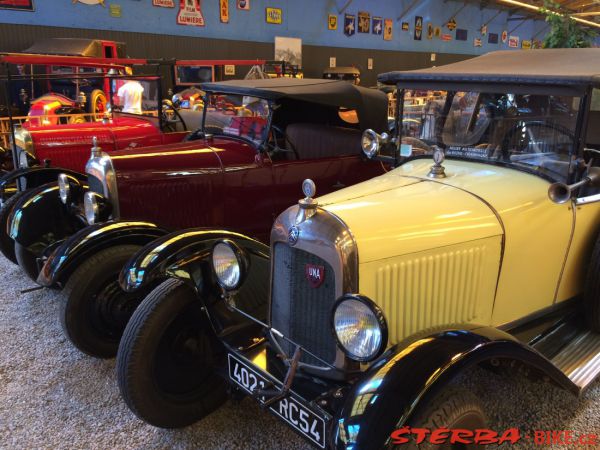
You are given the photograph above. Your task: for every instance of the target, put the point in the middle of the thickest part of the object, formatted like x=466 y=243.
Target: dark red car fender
x=80 y=246
x=37 y=176
x=411 y=373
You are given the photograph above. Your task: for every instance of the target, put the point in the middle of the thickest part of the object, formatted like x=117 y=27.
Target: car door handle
x=338 y=185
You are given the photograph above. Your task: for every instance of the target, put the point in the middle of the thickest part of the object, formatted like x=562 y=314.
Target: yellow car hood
x=405 y=212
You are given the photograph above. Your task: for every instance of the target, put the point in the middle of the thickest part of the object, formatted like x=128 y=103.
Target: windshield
x=236 y=115
x=530 y=132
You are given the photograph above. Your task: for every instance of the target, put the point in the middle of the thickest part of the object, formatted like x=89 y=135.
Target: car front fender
x=74 y=250
x=39 y=219
x=411 y=373
x=184 y=255
x=32 y=177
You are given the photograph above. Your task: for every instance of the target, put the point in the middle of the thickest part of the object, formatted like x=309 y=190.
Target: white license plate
x=290 y=409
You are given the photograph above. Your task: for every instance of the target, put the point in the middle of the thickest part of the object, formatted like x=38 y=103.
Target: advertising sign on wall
x=86 y=2
x=224 y=11
x=164 y=3
x=364 y=22
x=388 y=25
x=504 y=36
x=526 y=45
x=274 y=15
x=190 y=13
x=493 y=38
x=418 y=28
x=378 y=25
x=349 y=25
x=243 y=4
x=22 y=5
x=513 y=41
x=405 y=26
x=332 y=22
x=461 y=34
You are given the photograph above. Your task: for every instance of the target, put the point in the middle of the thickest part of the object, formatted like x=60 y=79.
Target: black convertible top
x=558 y=67
x=370 y=104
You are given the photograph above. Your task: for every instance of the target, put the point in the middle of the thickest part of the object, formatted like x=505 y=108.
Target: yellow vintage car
x=480 y=247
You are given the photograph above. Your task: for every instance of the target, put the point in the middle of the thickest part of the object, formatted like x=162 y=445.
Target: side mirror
x=561 y=193
x=372 y=142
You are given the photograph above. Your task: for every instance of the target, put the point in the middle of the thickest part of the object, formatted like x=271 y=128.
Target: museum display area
x=336 y=224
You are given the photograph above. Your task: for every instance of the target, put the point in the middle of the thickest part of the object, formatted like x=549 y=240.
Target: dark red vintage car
x=260 y=140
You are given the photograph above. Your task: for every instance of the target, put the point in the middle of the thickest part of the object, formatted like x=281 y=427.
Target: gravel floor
x=52 y=396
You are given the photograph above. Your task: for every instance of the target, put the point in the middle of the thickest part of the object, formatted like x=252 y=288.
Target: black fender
x=410 y=374
x=67 y=256
x=186 y=255
x=40 y=219
x=31 y=177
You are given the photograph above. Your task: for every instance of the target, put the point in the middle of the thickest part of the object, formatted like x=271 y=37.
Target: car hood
x=404 y=211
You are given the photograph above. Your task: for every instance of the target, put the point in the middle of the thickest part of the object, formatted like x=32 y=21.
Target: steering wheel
x=276 y=148
x=170 y=117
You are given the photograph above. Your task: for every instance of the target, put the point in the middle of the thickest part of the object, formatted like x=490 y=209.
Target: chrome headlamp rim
x=64 y=188
x=241 y=259
x=91 y=208
x=381 y=321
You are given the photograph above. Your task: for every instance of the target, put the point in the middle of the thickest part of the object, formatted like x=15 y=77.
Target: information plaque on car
x=291 y=409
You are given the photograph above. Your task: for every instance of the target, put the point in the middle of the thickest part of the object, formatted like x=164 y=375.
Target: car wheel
x=94 y=308
x=27 y=261
x=455 y=408
x=97 y=104
x=591 y=291
x=164 y=365
x=7 y=244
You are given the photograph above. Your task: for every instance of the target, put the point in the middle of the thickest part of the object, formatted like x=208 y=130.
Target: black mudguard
x=40 y=219
x=410 y=374
x=73 y=251
x=186 y=255
x=32 y=177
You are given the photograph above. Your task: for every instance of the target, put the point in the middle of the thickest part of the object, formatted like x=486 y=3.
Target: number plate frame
x=319 y=421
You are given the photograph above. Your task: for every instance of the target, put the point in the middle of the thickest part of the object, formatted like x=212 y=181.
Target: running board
x=580 y=359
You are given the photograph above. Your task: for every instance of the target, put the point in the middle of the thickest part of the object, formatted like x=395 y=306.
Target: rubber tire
x=8 y=244
x=591 y=290
x=75 y=315
x=27 y=261
x=135 y=364
x=96 y=96
x=454 y=408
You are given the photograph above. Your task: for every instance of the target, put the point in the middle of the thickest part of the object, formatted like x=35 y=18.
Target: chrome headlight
x=229 y=264
x=64 y=188
x=360 y=327
x=372 y=142
x=92 y=210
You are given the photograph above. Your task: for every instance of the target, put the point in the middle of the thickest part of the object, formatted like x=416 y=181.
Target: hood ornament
x=437 y=170
x=308 y=205
x=96 y=151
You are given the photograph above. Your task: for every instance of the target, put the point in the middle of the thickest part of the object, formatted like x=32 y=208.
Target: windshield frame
x=584 y=94
x=259 y=146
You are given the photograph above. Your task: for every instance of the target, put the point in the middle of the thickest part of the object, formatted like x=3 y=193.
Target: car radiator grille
x=95 y=185
x=301 y=312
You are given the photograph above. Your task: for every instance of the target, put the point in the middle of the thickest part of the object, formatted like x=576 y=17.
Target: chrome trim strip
x=585 y=200
x=102 y=168
x=324 y=235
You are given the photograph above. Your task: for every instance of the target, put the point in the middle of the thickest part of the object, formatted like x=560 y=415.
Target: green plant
x=564 y=31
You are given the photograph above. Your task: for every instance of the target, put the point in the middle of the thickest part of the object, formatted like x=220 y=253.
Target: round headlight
x=228 y=264
x=92 y=210
x=360 y=327
x=64 y=188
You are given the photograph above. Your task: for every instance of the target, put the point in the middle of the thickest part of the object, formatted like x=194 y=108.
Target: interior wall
x=316 y=58
x=305 y=19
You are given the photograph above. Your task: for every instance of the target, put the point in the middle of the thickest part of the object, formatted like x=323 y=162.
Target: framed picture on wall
x=289 y=50
x=21 y=5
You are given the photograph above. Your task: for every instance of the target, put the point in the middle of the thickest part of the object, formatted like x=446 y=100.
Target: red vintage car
x=260 y=139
